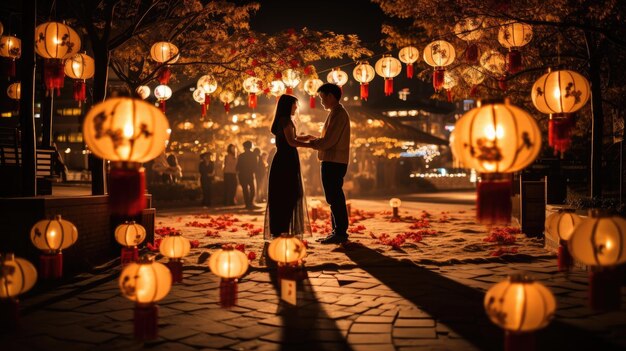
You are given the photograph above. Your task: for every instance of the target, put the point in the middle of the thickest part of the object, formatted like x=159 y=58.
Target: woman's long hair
x=283 y=112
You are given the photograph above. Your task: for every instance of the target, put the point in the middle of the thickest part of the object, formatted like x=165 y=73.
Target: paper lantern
x=14 y=91
x=252 y=86
x=337 y=76
x=165 y=53
x=315 y=206
x=291 y=78
x=226 y=97
x=395 y=205
x=228 y=264
x=495 y=138
x=288 y=251
x=208 y=84
x=494 y=62
x=52 y=236
x=364 y=73
x=439 y=54
x=129 y=235
x=513 y=36
x=55 y=41
x=310 y=87
x=560 y=93
x=473 y=76
x=388 y=67
x=450 y=80
x=470 y=29
x=175 y=247
x=11 y=48
x=520 y=306
x=199 y=97
x=17 y=276
x=143 y=91
x=80 y=67
x=560 y=225
x=277 y=88
x=162 y=93
x=409 y=55
x=145 y=283
x=126 y=132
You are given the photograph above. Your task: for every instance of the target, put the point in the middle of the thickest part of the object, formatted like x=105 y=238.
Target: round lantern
x=409 y=55
x=11 y=48
x=364 y=73
x=560 y=93
x=560 y=226
x=17 y=276
x=162 y=93
x=473 y=76
x=14 y=91
x=439 y=54
x=199 y=97
x=55 y=41
x=337 y=76
x=228 y=264
x=310 y=87
x=291 y=78
x=52 y=236
x=520 y=306
x=495 y=138
x=175 y=247
x=470 y=30
x=80 y=67
x=395 y=206
x=388 y=67
x=286 y=249
x=145 y=282
x=495 y=62
x=450 y=80
x=315 y=206
x=253 y=86
x=208 y=84
x=226 y=97
x=129 y=235
x=126 y=132
x=164 y=53
x=143 y=91
x=513 y=36
x=277 y=88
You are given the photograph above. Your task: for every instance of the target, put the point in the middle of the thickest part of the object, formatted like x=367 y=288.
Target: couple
x=286 y=208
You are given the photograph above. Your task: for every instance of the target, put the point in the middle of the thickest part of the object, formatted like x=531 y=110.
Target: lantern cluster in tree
x=388 y=67
x=208 y=84
x=470 y=29
x=52 y=236
x=80 y=67
x=17 y=276
x=11 y=49
x=164 y=53
x=162 y=93
x=409 y=55
x=513 y=36
x=226 y=97
x=439 y=54
x=55 y=42
x=310 y=87
x=364 y=73
x=337 y=76
x=175 y=247
x=130 y=235
x=291 y=78
x=228 y=264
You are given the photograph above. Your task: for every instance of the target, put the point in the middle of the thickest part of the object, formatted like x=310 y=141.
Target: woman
x=286 y=205
x=230 y=175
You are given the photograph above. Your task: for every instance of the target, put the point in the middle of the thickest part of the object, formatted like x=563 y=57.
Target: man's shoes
x=335 y=239
x=319 y=240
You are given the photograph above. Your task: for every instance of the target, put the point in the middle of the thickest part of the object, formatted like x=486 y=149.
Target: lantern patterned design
x=450 y=80
x=277 y=88
x=162 y=93
x=599 y=241
x=127 y=132
x=52 y=236
x=560 y=93
x=145 y=283
x=228 y=264
x=80 y=67
x=143 y=91
x=470 y=30
x=513 y=36
x=473 y=76
x=495 y=62
x=388 y=67
x=559 y=226
x=291 y=78
x=164 y=53
x=395 y=203
x=208 y=84
x=337 y=76
x=520 y=306
x=129 y=235
x=226 y=97
x=495 y=138
x=288 y=251
x=439 y=54
x=409 y=55
x=253 y=86
x=310 y=87
x=55 y=42
x=17 y=276
x=11 y=48
x=175 y=247
x=364 y=73
x=14 y=91
x=199 y=97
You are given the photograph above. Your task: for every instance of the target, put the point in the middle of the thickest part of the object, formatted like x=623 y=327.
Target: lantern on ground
x=409 y=55
x=388 y=67
x=364 y=73
x=130 y=235
x=395 y=203
x=310 y=87
x=175 y=247
x=162 y=93
x=127 y=132
x=52 y=236
x=291 y=78
x=80 y=67
x=164 y=53
x=226 y=97
x=560 y=226
x=450 y=80
x=17 y=276
x=228 y=264
x=513 y=36
x=497 y=139
x=143 y=91
x=520 y=306
x=473 y=76
x=337 y=77
x=277 y=88
x=145 y=283
x=560 y=94
x=288 y=251
x=253 y=86
x=470 y=30
x=315 y=205
x=599 y=241
x=55 y=42
x=10 y=48
x=495 y=62
x=199 y=96
x=208 y=84
x=439 y=54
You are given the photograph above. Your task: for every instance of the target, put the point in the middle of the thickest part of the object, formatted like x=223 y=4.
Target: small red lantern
x=228 y=264
x=175 y=247
x=310 y=87
x=252 y=86
x=80 y=67
x=226 y=97
x=388 y=67
x=11 y=48
x=409 y=55
x=364 y=73
x=51 y=237
x=129 y=235
x=439 y=54
x=208 y=84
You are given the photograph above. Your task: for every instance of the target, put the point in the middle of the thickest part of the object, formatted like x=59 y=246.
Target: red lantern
x=51 y=237
x=439 y=54
x=364 y=73
x=228 y=264
x=252 y=86
x=388 y=67
x=55 y=41
x=408 y=55
x=310 y=87
x=470 y=30
x=11 y=48
x=513 y=36
x=80 y=67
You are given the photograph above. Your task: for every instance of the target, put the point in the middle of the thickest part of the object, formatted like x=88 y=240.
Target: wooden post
x=27 y=101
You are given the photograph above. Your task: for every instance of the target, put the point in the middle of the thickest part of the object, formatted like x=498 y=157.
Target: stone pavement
x=393 y=305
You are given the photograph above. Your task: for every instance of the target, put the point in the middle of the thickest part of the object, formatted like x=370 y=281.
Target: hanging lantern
x=175 y=247
x=560 y=94
x=520 y=306
x=228 y=264
x=495 y=138
x=513 y=36
x=288 y=251
x=364 y=73
x=162 y=93
x=199 y=96
x=143 y=91
x=559 y=226
x=145 y=283
x=395 y=203
x=470 y=30
x=17 y=276
x=450 y=80
x=473 y=76
x=129 y=235
x=55 y=42
x=127 y=132
x=226 y=97
x=291 y=78
x=495 y=62
x=337 y=76
x=388 y=67
x=253 y=86
x=164 y=53
x=14 y=91
x=277 y=88
x=409 y=55
x=208 y=84
x=310 y=87
x=11 y=48
x=80 y=67
x=52 y=236
x=439 y=54
x=599 y=241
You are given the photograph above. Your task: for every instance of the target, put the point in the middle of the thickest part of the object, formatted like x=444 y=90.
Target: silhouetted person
x=246 y=166
x=230 y=175
x=207 y=172
x=261 y=175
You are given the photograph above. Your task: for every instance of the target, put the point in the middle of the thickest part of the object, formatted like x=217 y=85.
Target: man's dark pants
x=332 y=180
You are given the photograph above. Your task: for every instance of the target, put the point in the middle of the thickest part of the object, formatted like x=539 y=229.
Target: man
x=334 y=153
x=207 y=172
x=246 y=165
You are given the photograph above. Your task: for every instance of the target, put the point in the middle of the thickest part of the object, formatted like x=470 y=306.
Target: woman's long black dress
x=286 y=204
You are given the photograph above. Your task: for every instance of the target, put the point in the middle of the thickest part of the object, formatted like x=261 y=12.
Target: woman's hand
x=305 y=137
